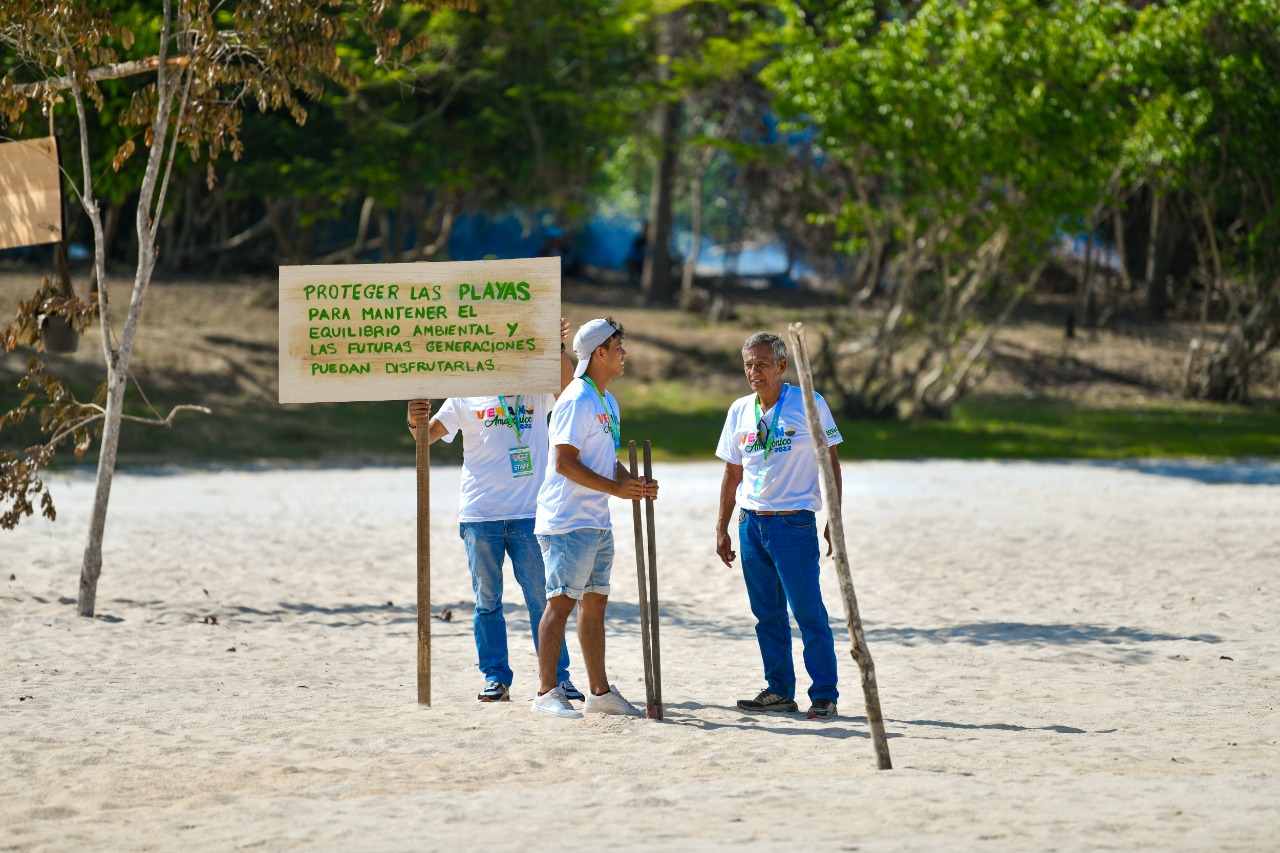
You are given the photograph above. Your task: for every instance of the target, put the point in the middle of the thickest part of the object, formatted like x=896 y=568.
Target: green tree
x=725 y=106
x=956 y=136
x=510 y=104
x=211 y=60
x=1203 y=79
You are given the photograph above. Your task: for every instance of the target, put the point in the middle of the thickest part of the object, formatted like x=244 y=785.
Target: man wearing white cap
x=572 y=523
x=504 y=455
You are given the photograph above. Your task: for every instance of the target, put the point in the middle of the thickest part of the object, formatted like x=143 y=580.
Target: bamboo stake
x=422 y=435
x=654 y=710
x=644 y=597
x=858 y=641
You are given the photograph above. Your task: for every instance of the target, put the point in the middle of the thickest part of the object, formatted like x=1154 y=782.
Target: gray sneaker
x=553 y=703
x=610 y=703
x=767 y=700
x=822 y=709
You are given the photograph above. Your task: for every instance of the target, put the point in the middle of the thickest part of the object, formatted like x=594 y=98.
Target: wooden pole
x=654 y=710
x=835 y=522
x=643 y=593
x=422 y=434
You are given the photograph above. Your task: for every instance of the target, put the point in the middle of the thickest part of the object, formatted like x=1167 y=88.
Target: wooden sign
x=405 y=331
x=30 y=193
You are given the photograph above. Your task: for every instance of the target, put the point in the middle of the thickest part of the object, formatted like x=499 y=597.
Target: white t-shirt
x=789 y=479
x=579 y=418
x=500 y=474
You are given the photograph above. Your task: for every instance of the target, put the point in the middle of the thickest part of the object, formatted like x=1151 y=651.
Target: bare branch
x=168 y=420
x=106 y=72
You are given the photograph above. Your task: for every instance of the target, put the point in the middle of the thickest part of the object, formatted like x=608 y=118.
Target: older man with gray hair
x=772 y=475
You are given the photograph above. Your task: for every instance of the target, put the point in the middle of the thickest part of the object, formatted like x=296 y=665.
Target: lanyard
x=611 y=420
x=513 y=417
x=777 y=410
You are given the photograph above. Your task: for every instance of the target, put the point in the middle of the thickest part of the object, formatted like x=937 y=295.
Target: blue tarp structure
x=604 y=241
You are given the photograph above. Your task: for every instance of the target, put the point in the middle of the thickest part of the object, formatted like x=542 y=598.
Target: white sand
x=1051 y=643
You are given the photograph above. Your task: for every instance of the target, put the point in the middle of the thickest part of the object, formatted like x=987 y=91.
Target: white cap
x=590 y=335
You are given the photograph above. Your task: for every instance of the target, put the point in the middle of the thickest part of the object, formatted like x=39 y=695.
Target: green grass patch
x=1052 y=429
x=684 y=425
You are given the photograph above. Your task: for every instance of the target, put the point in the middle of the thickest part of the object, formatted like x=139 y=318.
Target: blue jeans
x=487 y=542
x=780 y=565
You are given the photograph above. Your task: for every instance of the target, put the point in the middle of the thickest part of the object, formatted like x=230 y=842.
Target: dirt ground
x=222 y=336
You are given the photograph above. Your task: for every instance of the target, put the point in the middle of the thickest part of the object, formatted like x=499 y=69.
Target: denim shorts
x=577 y=562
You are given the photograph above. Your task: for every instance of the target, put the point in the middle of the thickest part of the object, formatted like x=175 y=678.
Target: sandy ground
x=1070 y=657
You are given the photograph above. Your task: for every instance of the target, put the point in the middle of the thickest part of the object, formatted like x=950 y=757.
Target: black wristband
x=562 y=349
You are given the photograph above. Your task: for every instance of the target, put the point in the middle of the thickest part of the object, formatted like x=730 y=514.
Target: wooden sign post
x=412 y=331
x=422 y=446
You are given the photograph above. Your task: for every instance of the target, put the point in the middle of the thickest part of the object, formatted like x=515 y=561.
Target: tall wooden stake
x=861 y=655
x=643 y=586
x=655 y=707
x=422 y=435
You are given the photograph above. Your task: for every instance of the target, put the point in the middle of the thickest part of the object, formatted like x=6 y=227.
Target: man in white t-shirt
x=771 y=473
x=573 y=525
x=504 y=456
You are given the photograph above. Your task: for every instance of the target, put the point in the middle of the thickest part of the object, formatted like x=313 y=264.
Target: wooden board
x=30 y=193
x=403 y=331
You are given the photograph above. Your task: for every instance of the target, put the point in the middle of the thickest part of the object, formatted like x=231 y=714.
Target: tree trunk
x=1122 y=251
x=656 y=278
x=150 y=206
x=91 y=567
x=695 y=249
x=276 y=214
x=386 y=242
x=114 y=214
x=1087 y=306
x=1158 y=259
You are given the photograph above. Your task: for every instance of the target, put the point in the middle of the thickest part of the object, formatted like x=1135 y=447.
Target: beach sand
x=1070 y=657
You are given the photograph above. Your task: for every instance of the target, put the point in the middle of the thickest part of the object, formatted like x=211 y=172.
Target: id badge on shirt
x=521 y=462
x=759 y=484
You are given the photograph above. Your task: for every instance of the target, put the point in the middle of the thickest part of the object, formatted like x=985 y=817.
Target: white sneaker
x=611 y=703
x=555 y=704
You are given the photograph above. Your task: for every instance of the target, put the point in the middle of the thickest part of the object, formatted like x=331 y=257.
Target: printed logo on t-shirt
x=605 y=428
x=497 y=416
x=753 y=441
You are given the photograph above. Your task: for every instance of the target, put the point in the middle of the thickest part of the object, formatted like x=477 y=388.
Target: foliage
x=953 y=139
x=48 y=399
x=509 y=105
x=958 y=137
x=1204 y=82
x=211 y=61
x=728 y=149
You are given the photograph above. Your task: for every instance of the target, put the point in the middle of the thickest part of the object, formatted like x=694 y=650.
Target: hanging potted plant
x=57 y=334
x=51 y=319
